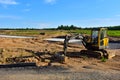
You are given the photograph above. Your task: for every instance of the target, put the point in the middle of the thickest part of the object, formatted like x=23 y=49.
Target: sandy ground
x=75 y=68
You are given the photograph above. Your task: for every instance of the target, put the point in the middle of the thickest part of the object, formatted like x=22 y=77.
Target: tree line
x=72 y=27
x=114 y=28
x=62 y=27
x=66 y=27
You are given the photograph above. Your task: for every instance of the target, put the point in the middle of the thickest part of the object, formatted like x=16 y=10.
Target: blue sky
x=51 y=13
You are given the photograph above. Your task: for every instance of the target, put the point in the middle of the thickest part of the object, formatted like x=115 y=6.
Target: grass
x=30 y=32
x=20 y=32
x=103 y=59
x=114 y=33
x=80 y=31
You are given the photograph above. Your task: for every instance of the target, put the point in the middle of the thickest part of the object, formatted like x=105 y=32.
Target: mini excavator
x=97 y=43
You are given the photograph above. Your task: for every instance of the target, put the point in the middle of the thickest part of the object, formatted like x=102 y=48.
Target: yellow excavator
x=96 y=44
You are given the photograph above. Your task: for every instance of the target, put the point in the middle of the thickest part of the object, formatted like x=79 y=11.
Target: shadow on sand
x=18 y=65
x=40 y=56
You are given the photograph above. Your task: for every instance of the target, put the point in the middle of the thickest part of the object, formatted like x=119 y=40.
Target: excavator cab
x=99 y=39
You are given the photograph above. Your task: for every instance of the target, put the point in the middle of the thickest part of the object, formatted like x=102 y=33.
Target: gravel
x=56 y=73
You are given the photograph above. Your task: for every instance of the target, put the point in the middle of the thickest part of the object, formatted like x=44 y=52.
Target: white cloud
x=9 y=17
x=8 y=2
x=39 y=25
x=50 y=1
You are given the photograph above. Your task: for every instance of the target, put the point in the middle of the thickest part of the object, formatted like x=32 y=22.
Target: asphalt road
x=113 y=45
x=56 y=73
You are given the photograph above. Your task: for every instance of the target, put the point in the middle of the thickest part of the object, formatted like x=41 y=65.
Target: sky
x=52 y=13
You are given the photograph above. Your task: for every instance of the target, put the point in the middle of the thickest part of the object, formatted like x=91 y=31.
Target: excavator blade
x=111 y=53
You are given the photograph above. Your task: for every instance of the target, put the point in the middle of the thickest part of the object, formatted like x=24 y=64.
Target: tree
x=66 y=27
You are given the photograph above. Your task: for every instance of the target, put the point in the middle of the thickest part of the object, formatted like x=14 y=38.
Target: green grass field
x=114 y=33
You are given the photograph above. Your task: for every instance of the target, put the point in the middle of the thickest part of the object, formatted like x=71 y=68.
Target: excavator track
x=90 y=53
x=98 y=54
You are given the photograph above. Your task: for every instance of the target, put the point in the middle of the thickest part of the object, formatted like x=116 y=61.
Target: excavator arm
x=78 y=36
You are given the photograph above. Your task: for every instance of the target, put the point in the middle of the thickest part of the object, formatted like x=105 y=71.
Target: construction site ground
x=76 y=67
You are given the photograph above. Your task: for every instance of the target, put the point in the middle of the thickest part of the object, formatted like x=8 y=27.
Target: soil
x=76 y=66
